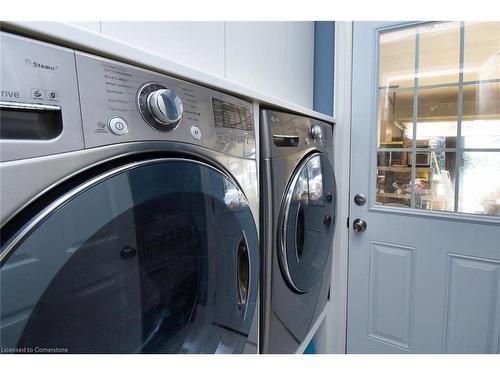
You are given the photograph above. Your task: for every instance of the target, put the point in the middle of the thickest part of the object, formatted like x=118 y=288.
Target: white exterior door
x=424 y=277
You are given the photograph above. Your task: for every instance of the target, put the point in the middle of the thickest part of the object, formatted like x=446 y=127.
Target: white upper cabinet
x=199 y=45
x=276 y=58
x=91 y=25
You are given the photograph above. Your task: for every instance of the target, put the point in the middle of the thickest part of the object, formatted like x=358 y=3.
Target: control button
x=196 y=132
x=37 y=93
x=53 y=95
x=118 y=126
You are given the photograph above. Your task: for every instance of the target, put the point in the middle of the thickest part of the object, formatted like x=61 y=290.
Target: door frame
x=332 y=335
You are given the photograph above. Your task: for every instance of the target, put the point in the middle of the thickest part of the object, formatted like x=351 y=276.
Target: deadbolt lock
x=360 y=199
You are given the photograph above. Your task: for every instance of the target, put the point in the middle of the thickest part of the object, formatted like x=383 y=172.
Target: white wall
x=273 y=57
x=276 y=58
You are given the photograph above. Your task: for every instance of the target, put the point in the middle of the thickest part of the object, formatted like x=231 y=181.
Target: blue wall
x=324 y=40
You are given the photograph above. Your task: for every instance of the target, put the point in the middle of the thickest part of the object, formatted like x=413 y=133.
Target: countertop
x=79 y=38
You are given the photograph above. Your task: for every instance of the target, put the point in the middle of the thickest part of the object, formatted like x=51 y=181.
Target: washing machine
x=298 y=202
x=129 y=202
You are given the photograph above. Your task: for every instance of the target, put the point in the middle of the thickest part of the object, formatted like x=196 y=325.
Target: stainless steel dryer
x=128 y=209
x=297 y=225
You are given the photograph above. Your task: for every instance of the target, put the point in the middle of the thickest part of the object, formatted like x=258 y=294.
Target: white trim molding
x=331 y=336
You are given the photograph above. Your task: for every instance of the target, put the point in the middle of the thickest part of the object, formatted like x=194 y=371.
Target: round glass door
x=307 y=222
x=157 y=256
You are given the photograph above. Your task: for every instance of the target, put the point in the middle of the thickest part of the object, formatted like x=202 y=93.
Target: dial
x=160 y=107
x=317 y=132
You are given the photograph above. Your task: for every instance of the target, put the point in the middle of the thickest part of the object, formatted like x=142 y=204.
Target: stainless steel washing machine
x=128 y=208
x=298 y=201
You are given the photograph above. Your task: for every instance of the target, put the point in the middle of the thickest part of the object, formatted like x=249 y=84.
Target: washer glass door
x=306 y=223
x=156 y=256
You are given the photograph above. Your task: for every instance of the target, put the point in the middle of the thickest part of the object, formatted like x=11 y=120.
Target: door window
x=438 y=138
x=154 y=258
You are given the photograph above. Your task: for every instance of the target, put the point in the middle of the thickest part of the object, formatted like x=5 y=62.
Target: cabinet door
x=199 y=45
x=91 y=25
x=276 y=58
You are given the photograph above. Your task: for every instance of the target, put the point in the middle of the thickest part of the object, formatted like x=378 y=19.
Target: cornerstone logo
x=36 y=64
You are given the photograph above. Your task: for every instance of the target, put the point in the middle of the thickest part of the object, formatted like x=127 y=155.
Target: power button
x=118 y=126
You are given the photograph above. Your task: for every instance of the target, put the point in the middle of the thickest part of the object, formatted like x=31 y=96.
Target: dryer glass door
x=157 y=256
x=307 y=222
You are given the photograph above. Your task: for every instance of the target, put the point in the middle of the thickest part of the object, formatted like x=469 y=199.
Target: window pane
x=395 y=116
x=435 y=180
x=439 y=53
x=437 y=117
x=430 y=141
x=481 y=51
x=480 y=183
x=481 y=116
x=397 y=58
x=393 y=178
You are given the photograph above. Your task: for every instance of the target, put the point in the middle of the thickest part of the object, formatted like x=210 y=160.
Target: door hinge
x=347 y=222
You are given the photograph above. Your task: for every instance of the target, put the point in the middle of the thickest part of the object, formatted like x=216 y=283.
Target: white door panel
x=420 y=280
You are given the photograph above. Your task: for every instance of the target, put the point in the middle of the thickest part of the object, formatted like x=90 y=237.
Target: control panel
x=56 y=100
x=290 y=133
x=123 y=103
x=39 y=106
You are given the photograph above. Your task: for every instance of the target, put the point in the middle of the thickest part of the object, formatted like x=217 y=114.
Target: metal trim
x=140 y=148
x=11 y=245
x=283 y=219
x=243 y=303
x=285 y=136
x=29 y=106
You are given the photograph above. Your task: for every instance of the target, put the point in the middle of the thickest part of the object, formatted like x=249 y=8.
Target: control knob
x=165 y=106
x=316 y=132
x=160 y=107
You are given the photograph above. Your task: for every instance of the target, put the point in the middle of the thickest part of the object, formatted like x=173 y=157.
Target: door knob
x=360 y=199
x=359 y=225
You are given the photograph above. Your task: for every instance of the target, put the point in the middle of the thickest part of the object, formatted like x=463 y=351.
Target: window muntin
x=439 y=117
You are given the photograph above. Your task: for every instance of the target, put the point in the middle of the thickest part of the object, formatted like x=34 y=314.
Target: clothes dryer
x=297 y=224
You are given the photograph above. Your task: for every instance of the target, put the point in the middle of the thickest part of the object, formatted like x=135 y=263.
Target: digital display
x=227 y=115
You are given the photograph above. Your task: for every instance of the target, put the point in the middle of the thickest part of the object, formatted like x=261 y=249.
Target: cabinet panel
x=276 y=58
x=91 y=25
x=199 y=45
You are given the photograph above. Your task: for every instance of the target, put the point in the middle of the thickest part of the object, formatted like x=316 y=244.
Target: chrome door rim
x=283 y=220
x=12 y=243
